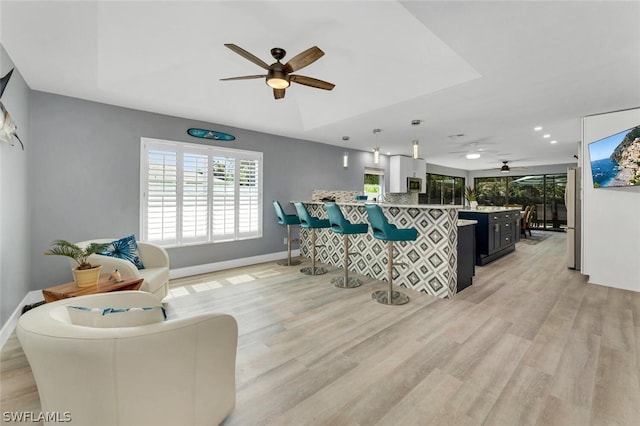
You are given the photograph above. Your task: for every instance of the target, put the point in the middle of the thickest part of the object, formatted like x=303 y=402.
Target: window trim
x=182 y=148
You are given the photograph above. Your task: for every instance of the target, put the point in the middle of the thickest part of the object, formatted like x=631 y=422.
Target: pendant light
x=416 y=148
x=345 y=156
x=376 y=150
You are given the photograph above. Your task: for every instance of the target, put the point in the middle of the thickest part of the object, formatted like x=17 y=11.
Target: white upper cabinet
x=402 y=167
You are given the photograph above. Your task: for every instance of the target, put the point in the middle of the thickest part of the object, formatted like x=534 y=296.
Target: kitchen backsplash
x=340 y=196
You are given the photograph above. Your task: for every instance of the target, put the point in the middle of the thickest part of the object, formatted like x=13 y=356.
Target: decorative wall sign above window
x=8 y=130
x=210 y=134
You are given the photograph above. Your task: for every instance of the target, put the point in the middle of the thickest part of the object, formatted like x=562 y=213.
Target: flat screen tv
x=615 y=160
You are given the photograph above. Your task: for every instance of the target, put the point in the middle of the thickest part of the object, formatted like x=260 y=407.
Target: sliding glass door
x=443 y=189
x=545 y=192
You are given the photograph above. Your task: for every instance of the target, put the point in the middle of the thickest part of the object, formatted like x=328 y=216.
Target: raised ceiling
x=489 y=71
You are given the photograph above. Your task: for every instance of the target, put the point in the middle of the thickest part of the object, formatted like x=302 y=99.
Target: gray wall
x=86 y=184
x=14 y=196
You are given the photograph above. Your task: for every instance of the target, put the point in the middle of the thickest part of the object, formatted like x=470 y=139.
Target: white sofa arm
x=179 y=372
x=153 y=256
x=109 y=264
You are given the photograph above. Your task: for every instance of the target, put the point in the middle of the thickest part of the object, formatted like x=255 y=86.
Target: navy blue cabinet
x=497 y=232
x=466 y=256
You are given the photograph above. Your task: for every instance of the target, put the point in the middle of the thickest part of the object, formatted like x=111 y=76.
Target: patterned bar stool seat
x=385 y=231
x=309 y=222
x=287 y=220
x=340 y=225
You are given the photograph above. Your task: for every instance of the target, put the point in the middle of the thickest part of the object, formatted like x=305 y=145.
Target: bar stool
x=340 y=225
x=383 y=230
x=309 y=222
x=288 y=220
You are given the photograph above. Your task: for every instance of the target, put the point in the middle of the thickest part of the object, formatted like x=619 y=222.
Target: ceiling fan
x=506 y=169
x=279 y=76
x=473 y=152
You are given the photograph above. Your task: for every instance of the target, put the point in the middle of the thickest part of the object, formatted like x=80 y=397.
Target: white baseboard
x=228 y=264
x=8 y=327
x=36 y=295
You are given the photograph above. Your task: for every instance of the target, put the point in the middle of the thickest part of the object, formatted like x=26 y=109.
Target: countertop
x=461 y=222
x=490 y=209
x=403 y=206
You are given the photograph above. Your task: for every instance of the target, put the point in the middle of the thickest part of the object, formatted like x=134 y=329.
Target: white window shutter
x=248 y=198
x=195 y=193
x=195 y=204
x=161 y=200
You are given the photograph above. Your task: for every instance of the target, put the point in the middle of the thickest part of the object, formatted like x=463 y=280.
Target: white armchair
x=175 y=372
x=154 y=258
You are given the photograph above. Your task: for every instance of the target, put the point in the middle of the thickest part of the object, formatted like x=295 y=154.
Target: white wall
x=447 y=171
x=611 y=216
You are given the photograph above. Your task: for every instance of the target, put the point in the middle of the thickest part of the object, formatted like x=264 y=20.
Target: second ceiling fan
x=279 y=76
x=506 y=168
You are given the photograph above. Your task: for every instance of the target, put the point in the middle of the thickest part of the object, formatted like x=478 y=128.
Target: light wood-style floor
x=530 y=343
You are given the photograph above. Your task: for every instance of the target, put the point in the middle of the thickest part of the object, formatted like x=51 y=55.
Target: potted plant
x=472 y=197
x=85 y=274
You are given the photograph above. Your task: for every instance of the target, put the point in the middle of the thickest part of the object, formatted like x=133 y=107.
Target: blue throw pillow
x=115 y=317
x=126 y=249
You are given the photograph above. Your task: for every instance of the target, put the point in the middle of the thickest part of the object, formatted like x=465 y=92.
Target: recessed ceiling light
x=552 y=142
x=546 y=136
x=473 y=156
x=537 y=129
x=388 y=153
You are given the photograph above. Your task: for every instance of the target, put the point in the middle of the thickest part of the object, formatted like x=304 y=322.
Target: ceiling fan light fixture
x=473 y=156
x=504 y=168
x=277 y=79
x=278 y=83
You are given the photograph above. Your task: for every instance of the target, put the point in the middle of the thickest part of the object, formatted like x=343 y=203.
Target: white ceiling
x=488 y=70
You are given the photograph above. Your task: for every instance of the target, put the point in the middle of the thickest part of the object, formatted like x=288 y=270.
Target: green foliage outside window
x=371 y=179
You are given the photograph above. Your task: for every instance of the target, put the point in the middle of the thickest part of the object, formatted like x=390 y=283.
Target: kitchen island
x=431 y=259
x=497 y=231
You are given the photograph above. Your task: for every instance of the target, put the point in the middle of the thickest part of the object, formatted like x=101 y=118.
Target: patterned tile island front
x=431 y=259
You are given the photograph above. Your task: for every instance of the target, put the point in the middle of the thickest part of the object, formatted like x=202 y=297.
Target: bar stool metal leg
x=313 y=270
x=390 y=297
x=345 y=281
x=289 y=261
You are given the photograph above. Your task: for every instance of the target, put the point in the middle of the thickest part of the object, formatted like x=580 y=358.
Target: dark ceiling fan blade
x=245 y=77
x=249 y=56
x=278 y=93
x=303 y=59
x=312 y=82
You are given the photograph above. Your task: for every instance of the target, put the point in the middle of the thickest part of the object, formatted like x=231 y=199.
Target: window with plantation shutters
x=248 y=197
x=223 y=200
x=193 y=194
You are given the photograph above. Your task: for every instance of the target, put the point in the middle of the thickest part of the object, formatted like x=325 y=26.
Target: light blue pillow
x=115 y=317
x=126 y=249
